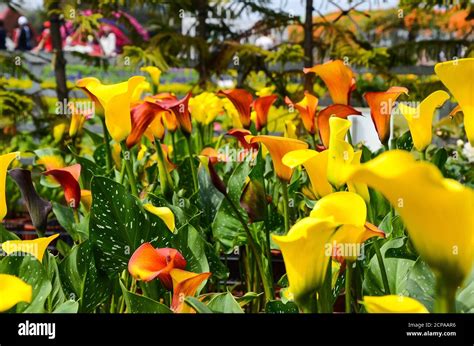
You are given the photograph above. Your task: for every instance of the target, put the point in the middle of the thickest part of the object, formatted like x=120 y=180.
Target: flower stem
x=383 y=271
x=348 y=286
x=129 y=168
x=193 y=169
x=286 y=215
x=166 y=183
x=309 y=304
x=108 y=151
x=445 y=301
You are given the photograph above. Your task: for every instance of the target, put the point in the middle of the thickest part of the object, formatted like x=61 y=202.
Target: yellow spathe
x=393 y=304
x=35 y=247
x=13 y=290
x=5 y=161
x=164 y=213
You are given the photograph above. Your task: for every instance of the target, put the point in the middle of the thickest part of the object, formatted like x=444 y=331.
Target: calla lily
x=360 y=188
x=232 y=112
x=115 y=100
x=290 y=129
x=13 y=290
x=420 y=119
x=148 y=263
x=278 y=147
x=170 y=121
x=142 y=117
x=164 y=213
x=5 y=161
x=304 y=253
x=38 y=208
x=243 y=136
x=340 y=153
x=340 y=111
x=154 y=72
x=138 y=92
x=242 y=101
x=456 y=75
x=436 y=211
x=181 y=111
x=307 y=108
x=262 y=106
x=393 y=304
x=381 y=104
x=206 y=164
x=338 y=78
x=68 y=178
x=315 y=164
x=86 y=199
x=78 y=118
x=156 y=129
x=35 y=247
x=205 y=107
x=185 y=284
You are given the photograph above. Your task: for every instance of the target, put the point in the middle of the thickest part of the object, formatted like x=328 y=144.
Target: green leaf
x=68 y=307
x=65 y=217
x=7 y=235
x=140 y=304
x=247 y=298
x=88 y=170
x=421 y=284
x=439 y=158
x=30 y=270
x=224 y=303
x=278 y=307
x=396 y=268
x=57 y=296
x=465 y=298
x=405 y=142
x=200 y=307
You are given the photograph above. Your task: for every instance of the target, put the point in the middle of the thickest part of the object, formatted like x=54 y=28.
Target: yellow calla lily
x=139 y=90
x=185 y=284
x=164 y=213
x=86 y=199
x=5 y=161
x=456 y=75
x=438 y=212
x=35 y=247
x=359 y=188
x=205 y=107
x=340 y=153
x=393 y=304
x=13 y=290
x=316 y=165
x=290 y=129
x=304 y=253
x=115 y=100
x=420 y=118
x=154 y=72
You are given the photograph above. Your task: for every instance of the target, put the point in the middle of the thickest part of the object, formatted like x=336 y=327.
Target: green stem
x=108 y=151
x=166 y=183
x=173 y=143
x=313 y=139
x=267 y=284
x=348 y=286
x=129 y=168
x=445 y=301
x=423 y=155
x=308 y=304
x=193 y=169
x=284 y=188
x=383 y=271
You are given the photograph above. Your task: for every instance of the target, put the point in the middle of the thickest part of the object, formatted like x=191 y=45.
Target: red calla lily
x=242 y=101
x=142 y=116
x=68 y=178
x=262 y=106
x=181 y=110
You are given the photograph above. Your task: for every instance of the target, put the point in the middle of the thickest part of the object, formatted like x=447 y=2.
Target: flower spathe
x=180 y=109
x=5 y=161
x=278 y=147
x=115 y=99
x=205 y=107
x=307 y=108
x=437 y=212
x=456 y=75
x=242 y=101
x=154 y=72
x=393 y=304
x=262 y=107
x=340 y=153
x=420 y=118
x=36 y=247
x=185 y=284
x=381 y=104
x=13 y=290
x=340 y=111
x=143 y=115
x=148 y=263
x=68 y=178
x=164 y=213
x=338 y=77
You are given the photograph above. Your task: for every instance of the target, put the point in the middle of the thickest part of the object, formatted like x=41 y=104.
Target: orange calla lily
x=381 y=104
x=68 y=178
x=143 y=115
x=242 y=101
x=181 y=111
x=278 y=147
x=338 y=78
x=307 y=108
x=262 y=106
x=340 y=111
x=185 y=284
x=148 y=263
x=243 y=136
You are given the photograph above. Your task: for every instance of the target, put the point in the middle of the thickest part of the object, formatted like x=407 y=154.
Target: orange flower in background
x=340 y=111
x=148 y=263
x=338 y=77
x=143 y=115
x=243 y=136
x=242 y=101
x=185 y=284
x=169 y=164
x=381 y=104
x=278 y=147
x=68 y=178
x=180 y=110
x=262 y=106
x=307 y=108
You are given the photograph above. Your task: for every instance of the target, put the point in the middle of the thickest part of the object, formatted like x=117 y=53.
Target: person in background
x=23 y=37
x=3 y=36
x=45 y=40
